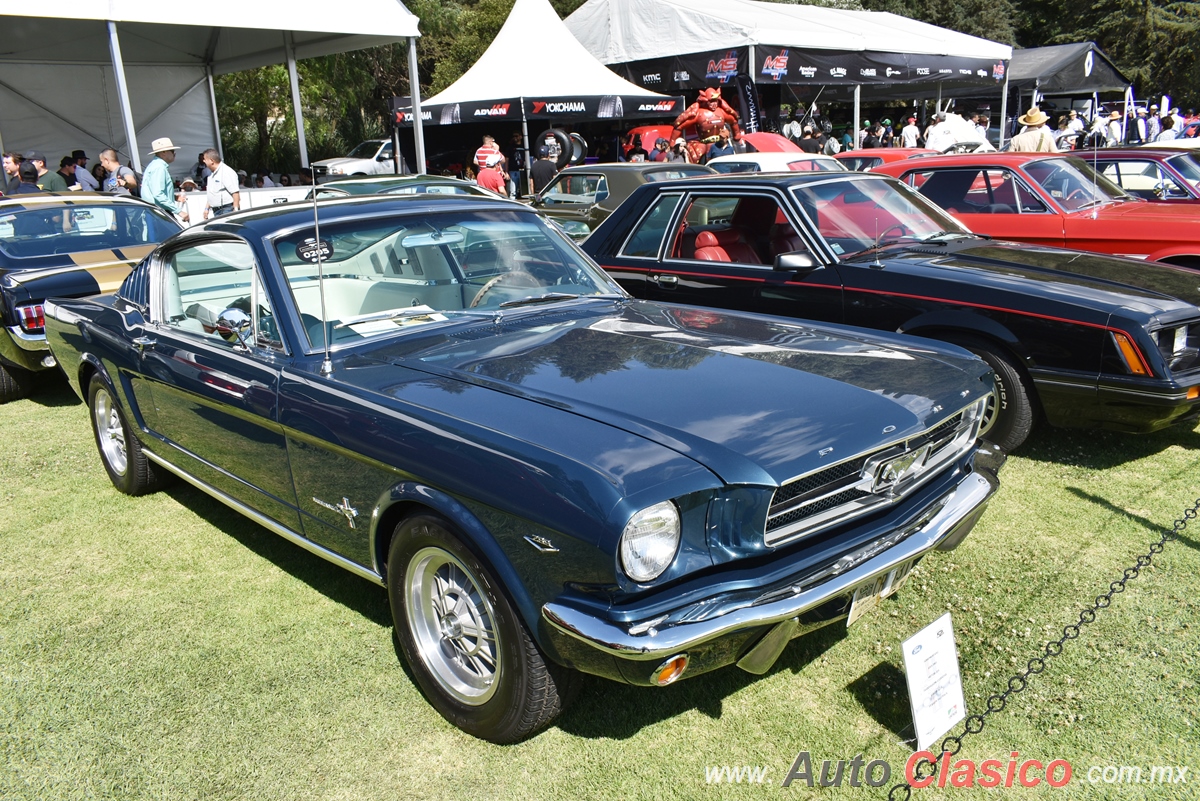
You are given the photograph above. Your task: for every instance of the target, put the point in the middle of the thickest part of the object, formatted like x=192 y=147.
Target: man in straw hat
x=1035 y=138
x=157 y=185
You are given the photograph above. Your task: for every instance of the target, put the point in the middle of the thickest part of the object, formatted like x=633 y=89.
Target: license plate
x=867 y=596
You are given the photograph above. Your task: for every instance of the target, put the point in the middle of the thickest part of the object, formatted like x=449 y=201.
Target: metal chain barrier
x=973 y=724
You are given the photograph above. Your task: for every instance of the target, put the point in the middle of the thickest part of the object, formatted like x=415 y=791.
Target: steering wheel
x=512 y=278
x=901 y=227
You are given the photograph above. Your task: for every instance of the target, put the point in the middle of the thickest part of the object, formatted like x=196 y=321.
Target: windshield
x=1073 y=184
x=45 y=230
x=1187 y=165
x=856 y=213
x=383 y=275
x=576 y=188
x=366 y=150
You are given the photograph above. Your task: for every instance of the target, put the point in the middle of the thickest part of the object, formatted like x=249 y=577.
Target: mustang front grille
x=833 y=495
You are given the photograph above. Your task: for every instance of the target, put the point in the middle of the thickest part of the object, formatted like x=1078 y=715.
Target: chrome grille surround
x=867 y=482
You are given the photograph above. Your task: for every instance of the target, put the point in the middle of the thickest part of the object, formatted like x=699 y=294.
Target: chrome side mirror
x=235 y=323
x=800 y=262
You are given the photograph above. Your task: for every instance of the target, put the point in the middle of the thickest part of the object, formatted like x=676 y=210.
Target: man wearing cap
x=224 y=193
x=660 y=150
x=910 y=133
x=87 y=182
x=47 y=181
x=1035 y=138
x=27 y=180
x=157 y=185
x=543 y=170
x=490 y=176
x=1153 y=124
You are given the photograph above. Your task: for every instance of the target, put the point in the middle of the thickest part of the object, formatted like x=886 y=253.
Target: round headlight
x=649 y=542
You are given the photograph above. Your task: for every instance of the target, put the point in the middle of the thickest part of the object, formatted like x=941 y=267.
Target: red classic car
x=867 y=160
x=1052 y=199
x=1151 y=173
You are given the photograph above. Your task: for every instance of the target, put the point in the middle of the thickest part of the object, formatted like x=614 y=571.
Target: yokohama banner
x=567 y=109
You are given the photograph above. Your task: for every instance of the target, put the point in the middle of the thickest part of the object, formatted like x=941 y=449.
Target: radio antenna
x=327 y=363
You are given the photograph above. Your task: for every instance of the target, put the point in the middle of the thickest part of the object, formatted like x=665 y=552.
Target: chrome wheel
x=110 y=432
x=453 y=625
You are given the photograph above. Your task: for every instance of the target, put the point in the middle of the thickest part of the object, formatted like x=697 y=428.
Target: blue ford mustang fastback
x=444 y=396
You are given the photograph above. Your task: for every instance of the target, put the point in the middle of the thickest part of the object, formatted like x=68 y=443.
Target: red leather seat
x=726 y=245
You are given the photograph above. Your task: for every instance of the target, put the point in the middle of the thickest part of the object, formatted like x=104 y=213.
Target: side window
x=201 y=282
x=746 y=229
x=577 y=189
x=646 y=238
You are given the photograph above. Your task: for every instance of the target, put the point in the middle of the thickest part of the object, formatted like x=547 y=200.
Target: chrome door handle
x=666 y=280
x=143 y=344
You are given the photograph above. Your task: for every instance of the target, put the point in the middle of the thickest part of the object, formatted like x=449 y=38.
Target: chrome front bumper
x=647 y=641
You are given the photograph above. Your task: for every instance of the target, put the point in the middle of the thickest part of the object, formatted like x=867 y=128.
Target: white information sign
x=934 y=682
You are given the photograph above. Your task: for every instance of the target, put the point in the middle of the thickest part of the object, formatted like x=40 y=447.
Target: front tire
x=468 y=649
x=120 y=451
x=1009 y=421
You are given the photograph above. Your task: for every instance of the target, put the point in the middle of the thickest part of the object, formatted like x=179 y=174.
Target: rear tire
x=120 y=451
x=15 y=383
x=467 y=647
x=1010 y=420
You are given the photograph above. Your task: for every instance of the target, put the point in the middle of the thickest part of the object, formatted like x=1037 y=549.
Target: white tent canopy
x=514 y=67
x=618 y=31
x=90 y=74
x=535 y=69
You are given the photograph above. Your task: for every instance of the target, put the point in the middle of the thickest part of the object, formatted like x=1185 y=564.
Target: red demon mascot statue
x=703 y=121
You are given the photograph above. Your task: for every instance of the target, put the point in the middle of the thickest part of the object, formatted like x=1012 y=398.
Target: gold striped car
x=73 y=244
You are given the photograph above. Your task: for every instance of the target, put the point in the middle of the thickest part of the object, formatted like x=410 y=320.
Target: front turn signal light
x=670 y=670
x=1130 y=355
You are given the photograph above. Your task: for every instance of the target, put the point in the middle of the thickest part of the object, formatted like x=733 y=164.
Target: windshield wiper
x=549 y=297
x=940 y=234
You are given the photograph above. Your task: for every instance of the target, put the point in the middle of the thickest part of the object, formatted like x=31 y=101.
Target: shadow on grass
x=50 y=389
x=1155 y=528
x=333 y=582
x=1099 y=450
x=883 y=694
x=619 y=711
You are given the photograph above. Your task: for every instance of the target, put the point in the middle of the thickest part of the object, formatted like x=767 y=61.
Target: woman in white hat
x=157 y=185
x=1035 y=138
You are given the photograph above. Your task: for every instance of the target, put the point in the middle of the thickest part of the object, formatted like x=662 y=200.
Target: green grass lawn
x=166 y=648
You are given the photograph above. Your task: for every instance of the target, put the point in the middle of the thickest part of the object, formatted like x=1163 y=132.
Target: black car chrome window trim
x=802 y=226
x=672 y=222
x=157 y=302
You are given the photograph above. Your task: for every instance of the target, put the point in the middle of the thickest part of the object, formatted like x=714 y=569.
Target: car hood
x=1078 y=277
x=340 y=161
x=1146 y=211
x=756 y=400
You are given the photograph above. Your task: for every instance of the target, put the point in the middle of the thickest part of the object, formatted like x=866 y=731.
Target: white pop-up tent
x=535 y=70
x=86 y=74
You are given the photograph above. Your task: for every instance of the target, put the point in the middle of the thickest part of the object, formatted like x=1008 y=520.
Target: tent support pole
x=527 y=173
x=414 y=87
x=114 y=48
x=938 y=107
x=857 y=114
x=1004 y=112
x=294 y=80
x=212 y=99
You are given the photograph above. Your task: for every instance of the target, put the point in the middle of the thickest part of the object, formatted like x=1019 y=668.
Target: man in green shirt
x=157 y=185
x=47 y=181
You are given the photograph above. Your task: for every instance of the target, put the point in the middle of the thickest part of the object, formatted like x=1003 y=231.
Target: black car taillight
x=32 y=317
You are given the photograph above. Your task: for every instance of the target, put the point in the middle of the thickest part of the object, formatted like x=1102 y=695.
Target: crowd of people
x=28 y=172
